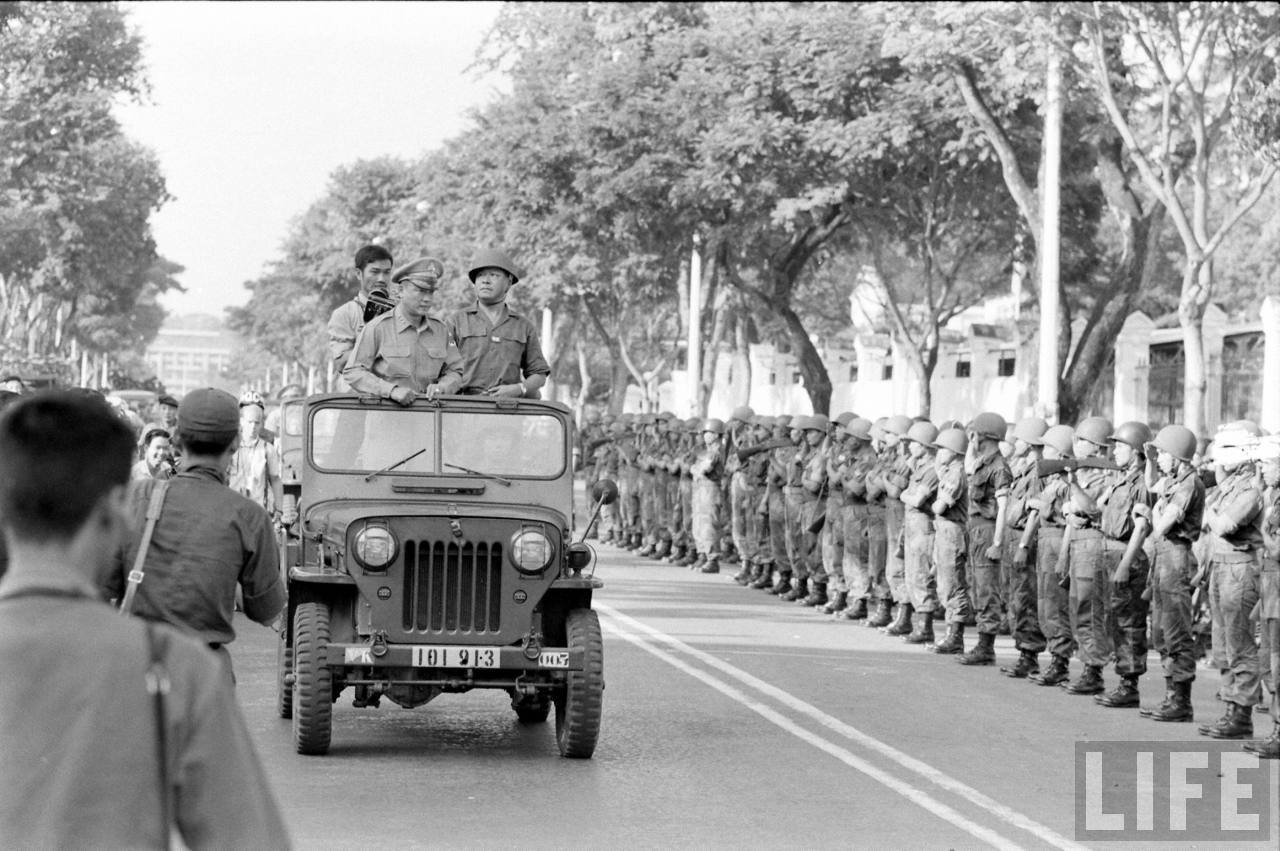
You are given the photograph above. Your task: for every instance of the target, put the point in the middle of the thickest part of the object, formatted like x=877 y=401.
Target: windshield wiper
x=406 y=460
x=498 y=479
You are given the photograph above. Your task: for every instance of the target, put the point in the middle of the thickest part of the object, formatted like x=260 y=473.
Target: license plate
x=554 y=659
x=426 y=656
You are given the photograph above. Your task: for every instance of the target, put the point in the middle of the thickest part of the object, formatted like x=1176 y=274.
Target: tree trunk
x=741 y=353
x=1191 y=318
x=584 y=373
x=619 y=380
x=711 y=355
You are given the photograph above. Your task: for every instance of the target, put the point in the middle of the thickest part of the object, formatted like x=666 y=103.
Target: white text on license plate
x=553 y=659
x=456 y=657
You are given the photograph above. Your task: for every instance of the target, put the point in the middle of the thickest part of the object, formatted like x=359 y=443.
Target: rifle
x=775 y=443
x=1052 y=467
x=818 y=522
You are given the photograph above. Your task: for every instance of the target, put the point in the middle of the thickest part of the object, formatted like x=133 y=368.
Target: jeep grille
x=452 y=588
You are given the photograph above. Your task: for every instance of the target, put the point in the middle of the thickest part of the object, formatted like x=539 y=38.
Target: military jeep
x=431 y=555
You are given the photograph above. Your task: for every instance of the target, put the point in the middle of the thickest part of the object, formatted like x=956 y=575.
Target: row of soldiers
x=1093 y=541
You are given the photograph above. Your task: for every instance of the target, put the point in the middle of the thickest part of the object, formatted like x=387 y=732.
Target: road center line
x=916 y=796
x=910 y=763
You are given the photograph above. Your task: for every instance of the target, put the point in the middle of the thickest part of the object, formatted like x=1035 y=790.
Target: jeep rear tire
x=312 y=684
x=284 y=667
x=579 y=703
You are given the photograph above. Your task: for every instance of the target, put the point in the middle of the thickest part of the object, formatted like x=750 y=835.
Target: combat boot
x=1266 y=748
x=837 y=603
x=923 y=633
x=817 y=594
x=765 y=580
x=1239 y=724
x=1204 y=729
x=712 y=565
x=1026 y=666
x=953 y=644
x=902 y=624
x=676 y=554
x=1089 y=682
x=1057 y=672
x=1169 y=691
x=856 y=611
x=983 y=653
x=646 y=551
x=1177 y=705
x=884 y=614
x=694 y=560
x=661 y=550
x=743 y=576
x=1123 y=696
x=784 y=584
x=799 y=590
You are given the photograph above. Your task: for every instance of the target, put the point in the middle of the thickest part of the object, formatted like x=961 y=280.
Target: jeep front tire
x=579 y=703
x=312 y=683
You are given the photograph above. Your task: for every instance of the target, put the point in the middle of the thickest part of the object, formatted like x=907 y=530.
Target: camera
x=378 y=303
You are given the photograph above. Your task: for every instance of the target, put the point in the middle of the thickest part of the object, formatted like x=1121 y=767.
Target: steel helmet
x=1134 y=433
x=843 y=419
x=818 y=422
x=798 y=422
x=783 y=421
x=989 y=424
x=1096 y=430
x=1178 y=441
x=742 y=414
x=859 y=428
x=714 y=425
x=1061 y=438
x=948 y=424
x=492 y=258
x=1030 y=430
x=1239 y=433
x=617 y=428
x=898 y=424
x=923 y=432
x=690 y=423
x=953 y=439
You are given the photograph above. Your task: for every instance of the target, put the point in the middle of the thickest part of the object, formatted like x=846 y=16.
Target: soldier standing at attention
x=1020 y=590
x=405 y=353
x=989 y=481
x=810 y=479
x=950 y=511
x=707 y=471
x=876 y=509
x=739 y=429
x=1126 y=522
x=780 y=467
x=1233 y=516
x=831 y=538
x=894 y=472
x=917 y=528
x=854 y=516
x=373 y=271
x=1176 y=520
x=1047 y=524
x=757 y=457
x=500 y=350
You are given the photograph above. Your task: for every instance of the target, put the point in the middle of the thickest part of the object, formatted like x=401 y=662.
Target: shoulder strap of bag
x=158 y=687
x=154 y=507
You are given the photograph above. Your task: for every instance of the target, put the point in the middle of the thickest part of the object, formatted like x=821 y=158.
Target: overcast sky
x=253 y=105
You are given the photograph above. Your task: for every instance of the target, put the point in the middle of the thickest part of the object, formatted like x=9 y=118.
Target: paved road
x=731 y=720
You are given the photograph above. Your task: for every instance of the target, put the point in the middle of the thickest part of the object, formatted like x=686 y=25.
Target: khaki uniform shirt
x=1240 y=501
x=392 y=351
x=990 y=479
x=345 y=324
x=505 y=353
x=1186 y=497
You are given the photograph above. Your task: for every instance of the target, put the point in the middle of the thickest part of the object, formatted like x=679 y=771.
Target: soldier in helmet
x=500 y=349
x=1175 y=522
x=686 y=448
x=629 y=490
x=780 y=467
x=989 y=481
x=737 y=434
x=707 y=471
x=917 y=529
x=757 y=458
x=861 y=581
x=1125 y=522
x=1269 y=591
x=1233 y=516
x=806 y=501
x=831 y=538
x=885 y=484
x=1019 y=560
x=950 y=511
x=1047 y=524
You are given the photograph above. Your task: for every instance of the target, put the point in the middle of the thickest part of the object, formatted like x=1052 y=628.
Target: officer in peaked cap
x=500 y=349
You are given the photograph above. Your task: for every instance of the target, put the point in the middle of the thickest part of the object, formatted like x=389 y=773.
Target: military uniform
x=1020 y=592
x=990 y=481
x=1269 y=591
x=1090 y=582
x=1233 y=588
x=1054 y=600
x=706 y=472
x=951 y=551
x=780 y=466
x=875 y=525
x=393 y=350
x=917 y=536
x=1123 y=503
x=895 y=473
x=860 y=581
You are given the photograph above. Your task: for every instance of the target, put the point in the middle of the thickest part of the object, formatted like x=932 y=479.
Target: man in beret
x=208 y=539
x=373 y=271
x=405 y=353
x=500 y=348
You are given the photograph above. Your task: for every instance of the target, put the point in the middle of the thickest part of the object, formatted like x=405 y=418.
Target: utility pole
x=1049 y=240
x=695 y=326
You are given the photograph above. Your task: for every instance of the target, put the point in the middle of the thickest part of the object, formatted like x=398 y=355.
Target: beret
x=428 y=268
x=209 y=414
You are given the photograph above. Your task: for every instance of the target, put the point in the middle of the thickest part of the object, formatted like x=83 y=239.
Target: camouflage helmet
x=1132 y=433
x=922 y=432
x=1061 y=438
x=1096 y=430
x=954 y=439
x=493 y=258
x=859 y=428
x=1178 y=441
x=989 y=424
x=1030 y=430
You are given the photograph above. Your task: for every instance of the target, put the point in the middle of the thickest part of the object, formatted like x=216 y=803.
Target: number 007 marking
x=455 y=657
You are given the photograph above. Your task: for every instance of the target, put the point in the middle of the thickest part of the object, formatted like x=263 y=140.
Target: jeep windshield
x=512 y=445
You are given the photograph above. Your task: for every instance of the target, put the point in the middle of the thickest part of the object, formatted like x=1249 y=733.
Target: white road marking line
x=921 y=799
x=910 y=763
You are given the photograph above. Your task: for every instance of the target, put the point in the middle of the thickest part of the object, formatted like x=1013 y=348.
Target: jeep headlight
x=531 y=551
x=375 y=547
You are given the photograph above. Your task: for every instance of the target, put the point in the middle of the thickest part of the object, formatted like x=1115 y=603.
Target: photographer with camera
x=373 y=272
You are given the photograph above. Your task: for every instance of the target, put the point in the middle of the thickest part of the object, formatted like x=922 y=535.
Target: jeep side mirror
x=604 y=492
